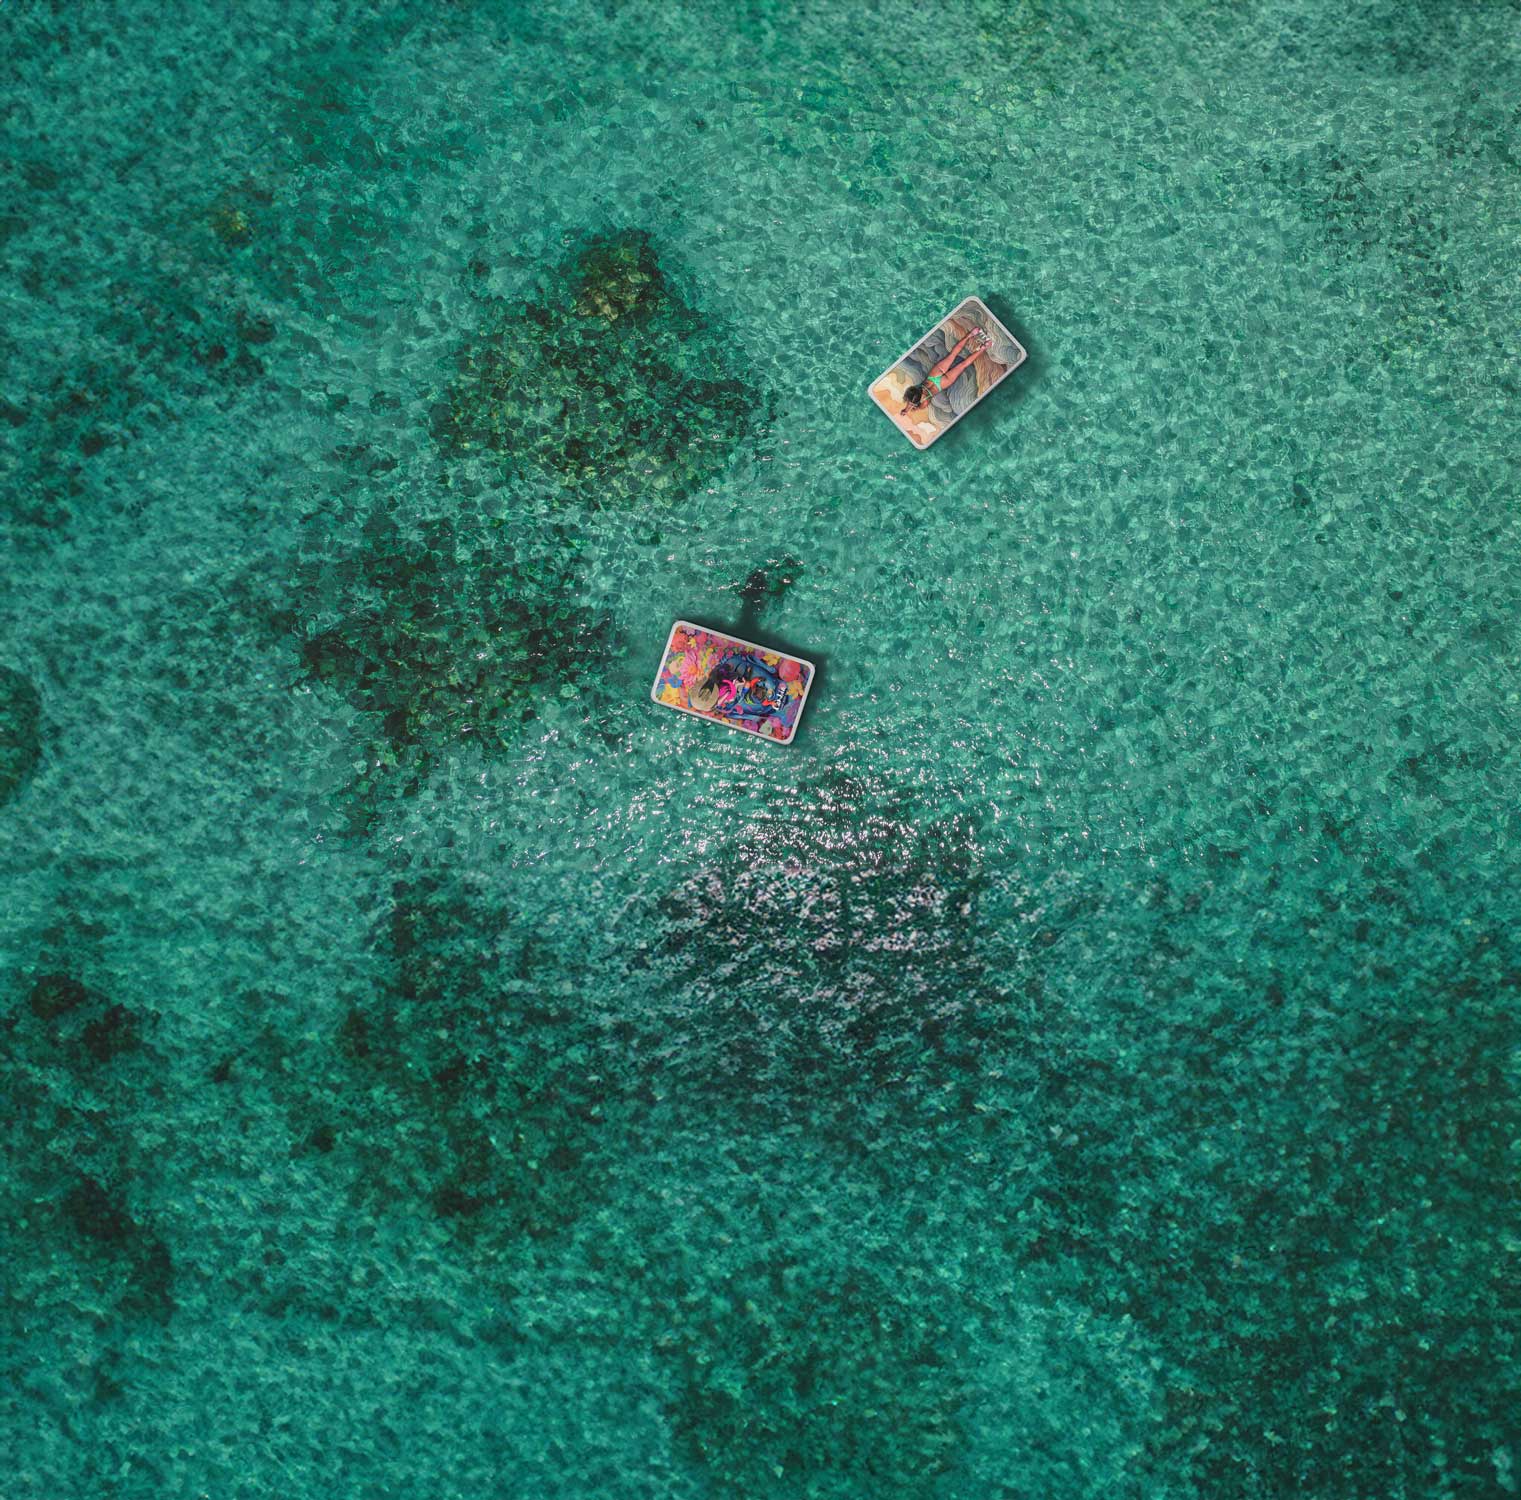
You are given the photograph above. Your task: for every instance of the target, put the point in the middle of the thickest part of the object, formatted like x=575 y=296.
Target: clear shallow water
x=1085 y=1063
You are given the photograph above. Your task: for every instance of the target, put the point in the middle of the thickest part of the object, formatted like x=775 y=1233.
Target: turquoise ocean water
x=1084 y=1064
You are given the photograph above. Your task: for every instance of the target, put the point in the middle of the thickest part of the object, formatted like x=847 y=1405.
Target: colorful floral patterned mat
x=738 y=683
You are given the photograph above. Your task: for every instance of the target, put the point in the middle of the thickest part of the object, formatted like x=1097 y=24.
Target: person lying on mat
x=917 y=397
x=740 y=687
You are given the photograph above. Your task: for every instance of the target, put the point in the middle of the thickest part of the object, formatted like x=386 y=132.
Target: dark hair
x=914 y=394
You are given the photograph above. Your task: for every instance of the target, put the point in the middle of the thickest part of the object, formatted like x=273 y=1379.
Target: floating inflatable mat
x=734 y=682
x=958 y=362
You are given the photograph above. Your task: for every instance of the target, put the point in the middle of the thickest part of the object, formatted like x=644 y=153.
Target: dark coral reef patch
x=476 y=1079
x=443 y=633
x=830 y=954
x=1350 y=201
x=1284 y=1172
x=831 y=1387
x=158 y=344
x=608 y=384
x=76 y=1072
x=20 y=730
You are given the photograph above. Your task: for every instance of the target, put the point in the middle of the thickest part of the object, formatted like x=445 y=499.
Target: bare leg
x=950 y=358
x=952 y=376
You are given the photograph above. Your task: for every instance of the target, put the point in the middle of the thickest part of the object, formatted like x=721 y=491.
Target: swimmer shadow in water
x=763 y=586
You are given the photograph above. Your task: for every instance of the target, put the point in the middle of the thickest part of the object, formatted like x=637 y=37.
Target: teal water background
x=1085 y=1064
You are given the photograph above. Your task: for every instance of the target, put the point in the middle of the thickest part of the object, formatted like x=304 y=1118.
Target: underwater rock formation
x=474 y=1072
x=235 y=217
x=1344 y=1362
x=766 y=584
x=835 y=1390
x=443 y=635
x=190 y=334
x=157 y=343
x=1343 y=196
x=829 y=954
x=74 y=1069
x=1284 y=1174
x=20 y=731
x=609 y=384
x=74 y=1025
x=133 y=1256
